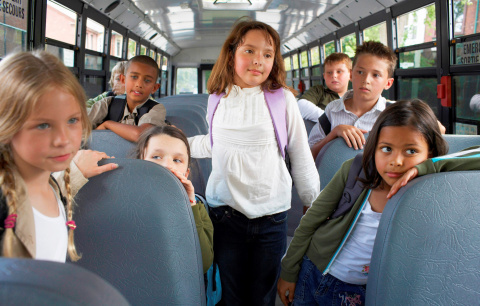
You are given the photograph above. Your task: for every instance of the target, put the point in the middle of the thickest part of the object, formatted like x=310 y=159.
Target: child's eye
x=376 y=75
x=268 y=56
x=176 y=160
x=43 y=126
x=386 y=149
x=148 y=81
x=156 y=157
x=134 y=77
x=360 y=72
x=73 y=120
x=411 y=151
x=248 y=51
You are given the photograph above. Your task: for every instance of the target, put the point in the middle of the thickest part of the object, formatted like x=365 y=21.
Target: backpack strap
x=353 y=188
x=325 y=123
x=145 y=108
x=116 y=108
x=277 y=107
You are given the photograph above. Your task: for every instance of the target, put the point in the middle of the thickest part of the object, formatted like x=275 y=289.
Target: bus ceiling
x=174 y=26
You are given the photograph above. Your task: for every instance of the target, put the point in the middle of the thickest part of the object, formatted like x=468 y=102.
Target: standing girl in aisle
x=249 y=189
x=43 y=120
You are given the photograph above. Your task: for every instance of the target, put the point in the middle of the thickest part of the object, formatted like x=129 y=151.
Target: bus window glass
x=132 y=48
x=377 y=32
x=143 y=50
x=316 y=71
x=329 y=48
x=304 y=59
x=316 y=82
x=116 y=44
x=95 y=36
x=112 y=63
x=315 y=55
x=421 y=88
x=65 y=55
x=416 y=27
x=348 y=44
x=187 y=81
x=467 y=96
x=13 y=27
x=305 y=72
x=205 y=76
x=152 y=54
x=465 y=17
x=295 y=61
x=418 y=58
x=288 y=64
x=93 y=62
x=93 y=86
x=61 y=23
x=164 y=63
x=159 y=60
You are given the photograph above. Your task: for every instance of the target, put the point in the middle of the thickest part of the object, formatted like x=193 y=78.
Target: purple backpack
x=277 y=106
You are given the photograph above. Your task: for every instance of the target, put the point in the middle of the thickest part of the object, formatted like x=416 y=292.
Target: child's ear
x=122 y=78
x=155 y=88
x=187 y=173
x=389 y=83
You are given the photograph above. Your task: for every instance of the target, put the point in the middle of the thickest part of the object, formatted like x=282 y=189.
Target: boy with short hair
x=354 y=115
x=337 y=69
x=128 y=116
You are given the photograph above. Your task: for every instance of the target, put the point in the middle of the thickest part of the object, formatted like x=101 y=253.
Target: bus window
x=418 y=58
x=304 y=63
x=465 y=17
x=132 y=48
x=152 y=54
x=315 y=55
x=465 y=87
x=329 y=48
x=349 y=44
x=66 y=55
x=93 y=62
x=421 y=88
x=116 y=43
x=417 y=26
x=61 y=23
x=13 y=27
x=143 y=50
x=377 y=32
x=95 y=36
x=93 y=85
x=187 y=81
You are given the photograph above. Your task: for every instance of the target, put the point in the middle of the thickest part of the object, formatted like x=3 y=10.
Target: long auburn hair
x=414 y=113
x=25 y=78
x=223 y=72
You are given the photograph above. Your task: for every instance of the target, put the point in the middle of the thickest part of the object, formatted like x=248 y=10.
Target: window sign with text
x=467 y=53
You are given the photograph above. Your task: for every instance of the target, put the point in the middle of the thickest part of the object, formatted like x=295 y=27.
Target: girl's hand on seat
x=87 y=162
x=186 y=183
x=402 y=181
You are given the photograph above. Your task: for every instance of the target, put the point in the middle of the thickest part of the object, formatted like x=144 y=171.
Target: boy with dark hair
x=354 y=115
x=337 y=69
x=128 y=116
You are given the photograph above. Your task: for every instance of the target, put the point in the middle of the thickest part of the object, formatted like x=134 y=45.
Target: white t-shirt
x=248 y=170
x=51 y=234
x=352 y=264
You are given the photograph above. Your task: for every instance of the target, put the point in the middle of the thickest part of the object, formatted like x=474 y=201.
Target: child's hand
x=402 y=181
x=353 y=136
x=101 y=127
x=282 y=288
x=186 y=183
x=87 y=162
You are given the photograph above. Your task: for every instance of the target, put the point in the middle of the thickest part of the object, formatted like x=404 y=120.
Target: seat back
x=37 y=282
x=459 y=142
x=331 y=158
x=135 y=228
x=110 y=143
x=427 y=244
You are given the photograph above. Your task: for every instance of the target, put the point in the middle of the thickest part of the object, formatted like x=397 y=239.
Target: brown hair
x=223 y=72
x=414 y=113
x=25 y=78
x=143 y=59
x=338 y=58
x=142 y=143
x=379 y=50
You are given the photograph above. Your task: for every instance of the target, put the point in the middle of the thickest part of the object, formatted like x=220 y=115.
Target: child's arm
x=205 y=234
x=352 y=135
x=468 y=159
x=309 y=110
x=200 y=146
x=129 y=132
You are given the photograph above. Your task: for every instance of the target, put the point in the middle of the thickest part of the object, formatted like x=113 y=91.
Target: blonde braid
x=7 y=183
x=72 y=251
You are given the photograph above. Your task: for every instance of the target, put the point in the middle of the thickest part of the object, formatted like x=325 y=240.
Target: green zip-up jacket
x=320 y=96
x=320 y=238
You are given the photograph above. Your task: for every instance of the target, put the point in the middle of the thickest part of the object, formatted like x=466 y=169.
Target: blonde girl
x=249 y=189
x=167 y=146
x=328 y=260
x=43 y=120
